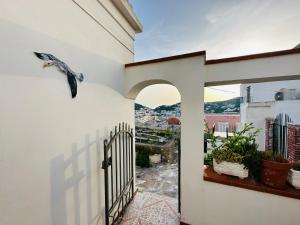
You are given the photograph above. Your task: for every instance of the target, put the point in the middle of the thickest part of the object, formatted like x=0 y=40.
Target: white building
x=268 y=100
x=51 y=146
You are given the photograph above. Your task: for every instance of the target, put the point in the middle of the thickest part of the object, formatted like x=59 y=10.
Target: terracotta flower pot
x=274 y=173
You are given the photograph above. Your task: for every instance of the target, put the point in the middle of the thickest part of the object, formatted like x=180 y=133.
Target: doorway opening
x=157 y=141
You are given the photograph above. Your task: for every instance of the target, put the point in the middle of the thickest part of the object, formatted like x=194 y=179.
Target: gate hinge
x=106 y=164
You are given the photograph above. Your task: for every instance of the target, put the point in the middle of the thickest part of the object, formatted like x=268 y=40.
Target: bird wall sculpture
x=51 y=60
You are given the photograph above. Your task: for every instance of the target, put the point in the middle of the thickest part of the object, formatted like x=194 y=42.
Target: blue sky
x=223 y=28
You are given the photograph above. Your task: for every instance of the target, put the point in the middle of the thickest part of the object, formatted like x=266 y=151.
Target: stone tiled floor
x=161 y=179
x=152 y=209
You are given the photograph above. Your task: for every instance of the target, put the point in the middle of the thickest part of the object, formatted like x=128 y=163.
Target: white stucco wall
x=257 y=113
x=228 y=205
x=291 y=108
x=51 y=144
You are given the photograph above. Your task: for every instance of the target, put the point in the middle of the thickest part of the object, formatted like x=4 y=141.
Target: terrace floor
x=161 y=179
x=151 y=209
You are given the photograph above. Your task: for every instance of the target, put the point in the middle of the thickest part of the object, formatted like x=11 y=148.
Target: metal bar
x=123 y=149
x=120 y=197
x=129 y=157
x=116 y=161
x=132 y=163
x=119 y=151
x=115 y=137
x=111 y=173
x=120 y=157
x=126 y=154
x=106 y=185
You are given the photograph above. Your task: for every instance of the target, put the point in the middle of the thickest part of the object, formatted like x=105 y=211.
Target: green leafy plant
x=241 y=148
x=209 y=136
x=274 y=156
x=227 y=155
x=253 y=160
x=208 y=159
x=279 y=158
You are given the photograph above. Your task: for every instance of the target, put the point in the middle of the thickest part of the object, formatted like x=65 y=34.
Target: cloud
x=251 y=27
x=222 y=28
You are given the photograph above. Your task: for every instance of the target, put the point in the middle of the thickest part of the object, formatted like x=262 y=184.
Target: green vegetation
x=163 y=133
x=208 y=159
x=142 y=156
x=153 y=136
x=209 y=107
x=227 y=155
x=209 y=136
x=274 y=156
x=241 y=148
x=222 y=106
x=167 y=107
x=138 y=106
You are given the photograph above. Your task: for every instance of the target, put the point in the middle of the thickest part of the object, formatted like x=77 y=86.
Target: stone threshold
x=248 y=183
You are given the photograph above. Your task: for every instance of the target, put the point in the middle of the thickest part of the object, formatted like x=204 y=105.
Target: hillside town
x=157 y=141
x=222 y=114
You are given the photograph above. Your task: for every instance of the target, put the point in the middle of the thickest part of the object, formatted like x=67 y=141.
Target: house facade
x=52 y=145
x=268 y=100
x=222 y=122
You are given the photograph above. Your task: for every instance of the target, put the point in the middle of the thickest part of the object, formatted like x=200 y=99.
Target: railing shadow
x=77 y=185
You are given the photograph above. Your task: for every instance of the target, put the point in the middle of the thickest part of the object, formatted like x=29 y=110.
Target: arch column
x=192 y=123
x=187 y=75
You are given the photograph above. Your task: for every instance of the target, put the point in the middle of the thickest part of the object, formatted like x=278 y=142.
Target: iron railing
x=280 y=134
x=118 y=172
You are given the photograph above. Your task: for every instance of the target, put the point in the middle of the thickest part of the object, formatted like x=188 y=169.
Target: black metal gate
x=280 y=134
x=118 y=172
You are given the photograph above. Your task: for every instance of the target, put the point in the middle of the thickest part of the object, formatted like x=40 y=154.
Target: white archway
x=136 y=89
x=189 y=74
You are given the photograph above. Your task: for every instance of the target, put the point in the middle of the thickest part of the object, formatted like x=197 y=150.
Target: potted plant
x=294 y=175
x=229 y=163
x=274 y=171
x=237 y=154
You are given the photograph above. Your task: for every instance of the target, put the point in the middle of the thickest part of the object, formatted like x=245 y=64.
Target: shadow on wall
x=77 y=185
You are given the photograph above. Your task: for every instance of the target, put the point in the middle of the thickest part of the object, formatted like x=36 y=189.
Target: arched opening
x=137 y=88
x=157 y=141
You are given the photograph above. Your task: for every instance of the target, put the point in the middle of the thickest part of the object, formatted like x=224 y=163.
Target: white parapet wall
x=229 y=205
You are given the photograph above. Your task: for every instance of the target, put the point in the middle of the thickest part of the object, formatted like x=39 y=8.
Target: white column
x=192 y=104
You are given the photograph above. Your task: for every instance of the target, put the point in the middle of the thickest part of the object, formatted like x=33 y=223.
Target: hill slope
x=227 y=106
